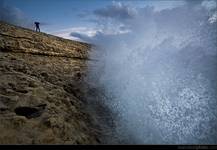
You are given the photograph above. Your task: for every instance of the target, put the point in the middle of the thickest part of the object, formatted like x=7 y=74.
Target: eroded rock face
x=40 y=78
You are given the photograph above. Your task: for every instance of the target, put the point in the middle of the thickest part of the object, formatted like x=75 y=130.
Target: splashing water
x=161 y=74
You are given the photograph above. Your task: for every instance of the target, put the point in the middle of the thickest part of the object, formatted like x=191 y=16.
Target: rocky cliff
x=41 y=101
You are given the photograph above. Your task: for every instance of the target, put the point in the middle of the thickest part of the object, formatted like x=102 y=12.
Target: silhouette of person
x=37 y=26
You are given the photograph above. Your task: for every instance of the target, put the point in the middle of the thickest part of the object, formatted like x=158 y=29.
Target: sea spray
x=158 y=70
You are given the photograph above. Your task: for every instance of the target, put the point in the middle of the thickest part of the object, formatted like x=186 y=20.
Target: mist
x=158 y=70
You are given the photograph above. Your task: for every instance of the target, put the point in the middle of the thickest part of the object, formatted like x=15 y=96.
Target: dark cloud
x=117 y=10
x=14 y=16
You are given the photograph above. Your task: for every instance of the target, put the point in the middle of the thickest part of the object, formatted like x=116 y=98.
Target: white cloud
x=66 y=33
x=213 y=18
x=82 y=33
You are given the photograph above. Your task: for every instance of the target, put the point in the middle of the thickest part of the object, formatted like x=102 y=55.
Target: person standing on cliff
x=37 y=26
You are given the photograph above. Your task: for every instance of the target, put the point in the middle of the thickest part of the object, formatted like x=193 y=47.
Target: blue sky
x=62 y=17
x=59 y=14
x=56 y=13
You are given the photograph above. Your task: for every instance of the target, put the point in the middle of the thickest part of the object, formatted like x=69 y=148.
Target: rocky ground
x=43 y=98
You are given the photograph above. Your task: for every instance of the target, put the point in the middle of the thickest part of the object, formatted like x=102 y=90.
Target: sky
x=72 y=18
x=57 y=14
x=60 y=17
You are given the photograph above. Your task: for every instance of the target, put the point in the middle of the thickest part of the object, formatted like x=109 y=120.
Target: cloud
x=213 y=18
x=14 y=16
x=91 y=34
x=210 y=5
x=76 y=33
x=116 y=10
x=111 y=20
x=120 y=18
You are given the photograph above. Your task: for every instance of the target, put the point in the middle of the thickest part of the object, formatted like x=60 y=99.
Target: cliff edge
x=40 y=76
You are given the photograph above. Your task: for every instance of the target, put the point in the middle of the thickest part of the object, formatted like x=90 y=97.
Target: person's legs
x=37 y=29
